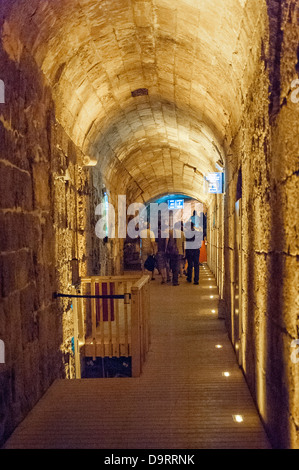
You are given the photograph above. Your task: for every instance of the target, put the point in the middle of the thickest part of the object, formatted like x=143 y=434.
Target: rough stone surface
x=41 y=231
x=218 y=76
x=266 y=150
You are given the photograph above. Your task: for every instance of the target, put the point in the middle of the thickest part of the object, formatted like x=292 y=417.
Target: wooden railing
x=112 y=319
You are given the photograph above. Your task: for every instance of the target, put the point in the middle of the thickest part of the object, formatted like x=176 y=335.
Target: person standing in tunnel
x=181 y=244
x=162 y=262
x=192 y=255
x=174 y=258
x=195 y=220
x=148 y=246
x=175 y=251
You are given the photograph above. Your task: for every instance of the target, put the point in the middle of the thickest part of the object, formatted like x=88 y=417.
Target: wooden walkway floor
x=181 y=401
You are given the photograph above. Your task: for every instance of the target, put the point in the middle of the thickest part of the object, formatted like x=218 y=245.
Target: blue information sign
x=174 y=204
x=215 y=183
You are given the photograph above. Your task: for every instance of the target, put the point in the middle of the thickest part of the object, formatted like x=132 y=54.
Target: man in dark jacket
x=192 y=255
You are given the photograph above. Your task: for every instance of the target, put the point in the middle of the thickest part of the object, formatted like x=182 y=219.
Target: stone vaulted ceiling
x=191 y=55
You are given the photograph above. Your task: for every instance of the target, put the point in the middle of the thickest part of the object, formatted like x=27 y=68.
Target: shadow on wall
x=250 y=358
x=276 y=365
x=266 y=356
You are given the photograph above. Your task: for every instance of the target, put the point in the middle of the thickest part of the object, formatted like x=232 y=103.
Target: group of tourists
x=168 y=254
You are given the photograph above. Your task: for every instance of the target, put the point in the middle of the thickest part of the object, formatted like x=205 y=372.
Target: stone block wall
x=47 y=219
x=47 y=199
x=215 y=231
x=265 y=152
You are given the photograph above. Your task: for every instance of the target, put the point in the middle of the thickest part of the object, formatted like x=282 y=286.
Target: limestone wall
x=215 y=233
x=238 y=92
x=47 y=219
x=266 y=152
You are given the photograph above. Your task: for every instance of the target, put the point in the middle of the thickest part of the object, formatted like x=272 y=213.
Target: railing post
x=146 y=318
x=131 y=328
x=94 y=320
x=135 y=332
x=76 y=336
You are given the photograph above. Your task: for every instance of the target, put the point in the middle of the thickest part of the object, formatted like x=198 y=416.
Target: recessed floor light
x=218 y=346
x=211 y=297
x=238 y=418
x=226 y=374
x=213 y=311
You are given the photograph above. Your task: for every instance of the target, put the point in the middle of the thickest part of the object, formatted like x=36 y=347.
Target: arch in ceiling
x=195 y=57
x=152 y=141
x=158 y=198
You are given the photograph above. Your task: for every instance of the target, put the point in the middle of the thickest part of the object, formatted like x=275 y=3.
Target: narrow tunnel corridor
x=183 y=400
x=111 y=105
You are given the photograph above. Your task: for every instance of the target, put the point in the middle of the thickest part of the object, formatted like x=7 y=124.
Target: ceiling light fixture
x=139 y=92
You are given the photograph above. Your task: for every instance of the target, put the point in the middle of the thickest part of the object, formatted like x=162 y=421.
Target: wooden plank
x=101 y=322
x=135 y=332
x=141 y=328
x=76 y=336
x=93 y=319
x=80 y=307
x=126 y=319
x=142 y=282
x=117 y=339
x=110 y=286
x=148 y=317
x=87 y=280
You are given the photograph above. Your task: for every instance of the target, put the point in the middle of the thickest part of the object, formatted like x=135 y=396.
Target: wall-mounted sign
x=215 y=183
x=175 y=204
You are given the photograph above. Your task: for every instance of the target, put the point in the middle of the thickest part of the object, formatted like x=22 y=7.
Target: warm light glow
x=213 y=311
x=238 y=418
x=218 y=346
x=226 y=374
x=211 y=297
